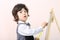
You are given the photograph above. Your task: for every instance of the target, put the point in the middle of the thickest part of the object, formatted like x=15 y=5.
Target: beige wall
x=39 y=12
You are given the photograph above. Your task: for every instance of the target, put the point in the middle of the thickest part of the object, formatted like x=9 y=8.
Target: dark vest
x=21 y=37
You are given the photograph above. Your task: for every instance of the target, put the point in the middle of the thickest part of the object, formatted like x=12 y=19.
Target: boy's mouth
x=24 y=16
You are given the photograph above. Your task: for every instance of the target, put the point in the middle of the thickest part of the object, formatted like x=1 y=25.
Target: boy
x=24 y=32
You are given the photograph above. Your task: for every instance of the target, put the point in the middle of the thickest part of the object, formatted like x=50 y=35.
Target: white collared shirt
x=25 y=30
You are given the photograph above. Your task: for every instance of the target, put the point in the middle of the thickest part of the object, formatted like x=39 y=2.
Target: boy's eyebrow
x=24 y=10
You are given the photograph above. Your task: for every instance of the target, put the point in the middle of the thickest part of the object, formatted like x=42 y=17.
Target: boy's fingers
x=46 y=24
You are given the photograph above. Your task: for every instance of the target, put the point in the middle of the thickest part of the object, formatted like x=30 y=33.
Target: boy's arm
x=26 y=31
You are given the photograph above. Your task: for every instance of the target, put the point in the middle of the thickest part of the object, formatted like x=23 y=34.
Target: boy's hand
x=44 y=24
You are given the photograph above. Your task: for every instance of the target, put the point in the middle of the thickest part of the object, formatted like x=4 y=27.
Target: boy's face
x=22 y=15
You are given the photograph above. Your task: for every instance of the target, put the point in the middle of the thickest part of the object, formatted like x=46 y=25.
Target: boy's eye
x=20 y=12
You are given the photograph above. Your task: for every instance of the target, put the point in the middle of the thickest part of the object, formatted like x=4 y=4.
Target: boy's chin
x=24 y=20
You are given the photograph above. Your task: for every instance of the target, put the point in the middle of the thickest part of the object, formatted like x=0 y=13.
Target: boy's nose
x=24 y=14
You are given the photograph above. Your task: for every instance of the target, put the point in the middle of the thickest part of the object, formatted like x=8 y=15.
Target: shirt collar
x=24 y=23
x=21 y=22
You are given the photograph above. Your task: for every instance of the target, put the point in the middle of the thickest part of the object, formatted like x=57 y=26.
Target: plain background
x=39 y=11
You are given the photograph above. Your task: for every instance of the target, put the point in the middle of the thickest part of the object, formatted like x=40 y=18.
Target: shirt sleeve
x=26 y=31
